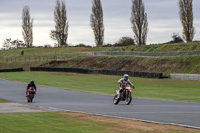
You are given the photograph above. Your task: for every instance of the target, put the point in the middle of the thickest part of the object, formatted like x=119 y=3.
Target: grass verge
x=3 y=101
x=76 y=123
x=165 y=89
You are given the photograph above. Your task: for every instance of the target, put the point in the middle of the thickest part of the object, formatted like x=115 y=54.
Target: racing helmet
x=125 y=77
x=32 y=82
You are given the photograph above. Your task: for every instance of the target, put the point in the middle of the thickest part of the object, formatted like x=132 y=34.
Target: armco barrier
x=106 y=72
x=185 y=76
x=12 y=70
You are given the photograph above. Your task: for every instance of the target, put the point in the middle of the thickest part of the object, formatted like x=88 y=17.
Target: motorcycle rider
x=125 y=81
x=31 y=84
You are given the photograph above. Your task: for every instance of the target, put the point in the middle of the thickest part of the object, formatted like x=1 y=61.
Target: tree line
x=138 y=21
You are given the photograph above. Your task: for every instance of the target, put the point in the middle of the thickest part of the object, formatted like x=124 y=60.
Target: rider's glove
x=133 y=87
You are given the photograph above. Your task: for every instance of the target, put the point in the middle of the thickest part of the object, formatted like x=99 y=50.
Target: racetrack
x=167 y=112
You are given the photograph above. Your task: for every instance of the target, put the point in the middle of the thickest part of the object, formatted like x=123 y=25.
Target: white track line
x=147 y=121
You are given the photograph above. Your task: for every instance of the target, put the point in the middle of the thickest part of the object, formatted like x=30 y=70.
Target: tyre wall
x=12 y=70
x=106 y=72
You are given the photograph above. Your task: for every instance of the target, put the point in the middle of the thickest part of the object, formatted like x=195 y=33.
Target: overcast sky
x=163 y=18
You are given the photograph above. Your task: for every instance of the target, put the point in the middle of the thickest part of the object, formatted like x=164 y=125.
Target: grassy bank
x=37 y=56
x=189 y=65
x=160 y=47
x=3 y=101
x=48 y=51
x=76 y=123
x=166 y=89
x=66 y=50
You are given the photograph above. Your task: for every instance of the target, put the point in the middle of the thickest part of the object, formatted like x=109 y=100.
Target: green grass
x=166 y=89
x=48 y=51
x=36 y=56
x=3 y=101
x=78 y=123
x=66 y=50
x=47 y=123
x=160 y=47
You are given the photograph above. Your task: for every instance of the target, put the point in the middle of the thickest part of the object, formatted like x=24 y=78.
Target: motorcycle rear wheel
x=116 y=100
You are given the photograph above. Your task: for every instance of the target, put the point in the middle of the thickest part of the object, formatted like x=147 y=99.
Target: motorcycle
x=30 y=94
x=124 y=96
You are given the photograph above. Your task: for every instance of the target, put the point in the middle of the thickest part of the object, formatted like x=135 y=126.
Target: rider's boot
x=118 y=93
x=118 y=96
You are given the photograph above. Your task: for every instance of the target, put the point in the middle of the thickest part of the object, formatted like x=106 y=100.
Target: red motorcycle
x=30 y=94
x=124 y=96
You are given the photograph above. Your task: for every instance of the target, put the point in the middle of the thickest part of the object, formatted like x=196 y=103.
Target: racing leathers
x=30 y=85
x=126 y=82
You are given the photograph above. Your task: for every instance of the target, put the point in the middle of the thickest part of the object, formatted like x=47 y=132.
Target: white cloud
x=163 y=20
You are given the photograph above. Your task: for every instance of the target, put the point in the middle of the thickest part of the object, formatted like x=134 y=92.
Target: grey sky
x=163 y=20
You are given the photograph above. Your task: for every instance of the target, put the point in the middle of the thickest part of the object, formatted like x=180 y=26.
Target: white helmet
x=126 y=77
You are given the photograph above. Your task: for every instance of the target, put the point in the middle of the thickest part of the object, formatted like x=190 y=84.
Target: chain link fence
x=148 y=54
x=36 y=58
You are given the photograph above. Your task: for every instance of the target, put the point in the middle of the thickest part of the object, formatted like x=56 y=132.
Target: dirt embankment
x=160 y=65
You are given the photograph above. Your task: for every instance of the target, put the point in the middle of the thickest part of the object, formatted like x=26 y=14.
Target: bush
x=82 y=45
x=176 y=38
x=124 y=41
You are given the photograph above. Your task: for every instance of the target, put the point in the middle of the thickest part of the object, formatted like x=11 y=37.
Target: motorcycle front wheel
x=116 y=100
x=128 y=99
x=31 y=97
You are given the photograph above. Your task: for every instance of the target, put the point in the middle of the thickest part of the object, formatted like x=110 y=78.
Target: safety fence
x=37 y=58
x=12 y=70
x=185 y=76
x=148 y=54
x=109 y=53
x=106 y=72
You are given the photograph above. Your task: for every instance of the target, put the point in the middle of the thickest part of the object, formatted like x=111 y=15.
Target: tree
x=125 y=41
x=176 y=38
x=60 y=34
x=18 y=44
x=139 y=22
x=96 y=22
x=9 y=44
x=27 y=27
x=186 y=18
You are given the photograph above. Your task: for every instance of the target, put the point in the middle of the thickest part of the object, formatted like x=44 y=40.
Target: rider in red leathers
x=31 y=84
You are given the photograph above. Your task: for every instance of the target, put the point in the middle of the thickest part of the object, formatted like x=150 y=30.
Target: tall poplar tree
x=60 y=34
x=96 y=22
x=27 y=27
x=139 y=22
x=186 y=18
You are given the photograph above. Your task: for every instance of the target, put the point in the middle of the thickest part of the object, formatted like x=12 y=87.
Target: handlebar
x=124 y=84
x=133 y=87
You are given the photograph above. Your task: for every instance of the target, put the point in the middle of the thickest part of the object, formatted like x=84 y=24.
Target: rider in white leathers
x=125 y=81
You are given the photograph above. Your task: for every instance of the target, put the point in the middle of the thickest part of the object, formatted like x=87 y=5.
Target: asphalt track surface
x=185 y=114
